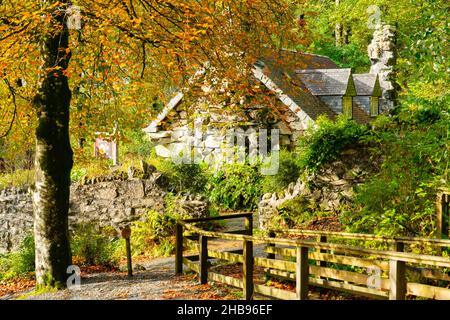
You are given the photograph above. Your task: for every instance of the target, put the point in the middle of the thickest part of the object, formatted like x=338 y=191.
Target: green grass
x=40 y=290
x=19 y=178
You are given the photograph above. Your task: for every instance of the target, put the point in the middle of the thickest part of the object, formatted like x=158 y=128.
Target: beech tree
x=121 y=43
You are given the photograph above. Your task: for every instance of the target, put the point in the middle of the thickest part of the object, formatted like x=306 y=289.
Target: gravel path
x=155 y=281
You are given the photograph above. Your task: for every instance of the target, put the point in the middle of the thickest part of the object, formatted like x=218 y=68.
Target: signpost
x=106 y=146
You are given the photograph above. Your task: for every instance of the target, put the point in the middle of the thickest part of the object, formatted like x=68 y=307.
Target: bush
x=136 y=143
x=18 y=178
x=346 y=56
x=19 y=263
x=182 y=177
x=289 y=171
x=155 y=235
x=94 y=247
x=188 y=177
x=235 y=186
x=293 y=212
x=424 y=103
x=26 y=257
x=325 y=142
x=400 y=198
x=89 y=168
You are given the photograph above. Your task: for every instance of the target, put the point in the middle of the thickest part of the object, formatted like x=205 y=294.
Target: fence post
x=397 y=275
x=322 y=239
x=302 y=273
x=443 y=218
x=271 y=245
x=248 y=270
x=179 y=250
x=249 y=224
x=126 y=234
x=203 y=241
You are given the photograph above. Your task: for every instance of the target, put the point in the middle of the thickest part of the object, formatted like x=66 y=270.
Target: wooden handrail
x=400 y=256
x=368 y=237
x=224 y=217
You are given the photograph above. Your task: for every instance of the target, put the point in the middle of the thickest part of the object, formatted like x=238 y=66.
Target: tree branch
x=13 y=94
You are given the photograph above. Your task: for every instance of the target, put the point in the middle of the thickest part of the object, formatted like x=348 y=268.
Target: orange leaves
x=17 y=285
x=125 y=55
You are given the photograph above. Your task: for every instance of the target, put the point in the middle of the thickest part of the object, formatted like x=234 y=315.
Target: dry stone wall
x=328 y=190
x=105 y=201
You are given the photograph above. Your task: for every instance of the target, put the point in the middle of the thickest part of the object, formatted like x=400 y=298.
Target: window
x=347 y=103
x=374 y=106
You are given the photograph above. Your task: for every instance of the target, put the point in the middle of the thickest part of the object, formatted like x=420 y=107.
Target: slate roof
x=284 y=77
x=294 y=60
x=325 y=82
x=359 y=115
x=365 y=83
x=301 y=77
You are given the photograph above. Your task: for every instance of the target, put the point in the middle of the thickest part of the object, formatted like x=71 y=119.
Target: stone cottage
x=334 y=87
x=306 y=86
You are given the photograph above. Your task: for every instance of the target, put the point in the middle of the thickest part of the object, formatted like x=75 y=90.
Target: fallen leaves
x=16 y=285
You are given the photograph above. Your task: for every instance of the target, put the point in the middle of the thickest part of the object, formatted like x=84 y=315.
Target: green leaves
x=324 y=143
x=236 y=187
x=399 y=199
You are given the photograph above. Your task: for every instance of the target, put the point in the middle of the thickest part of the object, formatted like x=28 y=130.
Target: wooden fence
x=393 y=273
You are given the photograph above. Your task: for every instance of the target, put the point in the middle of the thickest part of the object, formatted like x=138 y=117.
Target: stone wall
x=16 y=217
x=327 y=190
x=383 y=56
x=211 y=136
x=334 y=102
x=105 y=201
x=363 y=102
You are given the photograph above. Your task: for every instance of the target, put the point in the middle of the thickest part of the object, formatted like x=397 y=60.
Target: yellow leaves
x=108 y=59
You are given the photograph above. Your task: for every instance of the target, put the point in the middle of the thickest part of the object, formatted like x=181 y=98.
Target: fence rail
x=393 y=274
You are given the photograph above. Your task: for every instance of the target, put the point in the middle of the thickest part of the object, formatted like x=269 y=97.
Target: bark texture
x=54 y=159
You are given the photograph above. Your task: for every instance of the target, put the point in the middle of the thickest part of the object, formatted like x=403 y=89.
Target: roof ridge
x=303 y=71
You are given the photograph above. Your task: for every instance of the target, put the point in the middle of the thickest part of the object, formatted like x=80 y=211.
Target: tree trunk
x=53 y=160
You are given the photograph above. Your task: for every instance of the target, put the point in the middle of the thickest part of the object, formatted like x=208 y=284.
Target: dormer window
x=347 y=106
x=374 y=106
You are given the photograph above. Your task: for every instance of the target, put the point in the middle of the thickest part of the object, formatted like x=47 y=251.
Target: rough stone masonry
x=114 y=200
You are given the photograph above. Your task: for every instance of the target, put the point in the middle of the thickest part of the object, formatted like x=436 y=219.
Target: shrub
x=155 y=234
x=400 y=198
x=182 y=177
x=93 y=246
x=26 y=256
x=235 y=186
x=89 y=168
x=424 y=103
x=289 y=171
x=190 y=177
x=325 y=142
x=346 y=56
x=136 y=143
x=19 y=263
x=18 y=178
x=294 y=212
